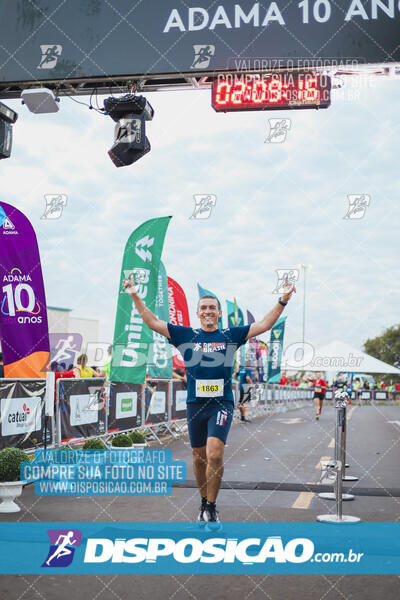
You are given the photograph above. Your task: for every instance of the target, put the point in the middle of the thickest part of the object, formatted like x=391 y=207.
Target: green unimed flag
x=235 y=315
x=131 y=336
x=160 y=353
x=275 y=351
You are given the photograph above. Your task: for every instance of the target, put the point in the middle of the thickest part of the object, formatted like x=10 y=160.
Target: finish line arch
x=75 y=49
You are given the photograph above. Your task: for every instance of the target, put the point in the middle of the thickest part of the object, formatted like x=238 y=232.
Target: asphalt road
x=285 y=448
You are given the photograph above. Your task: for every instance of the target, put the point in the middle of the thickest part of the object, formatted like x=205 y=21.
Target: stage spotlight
x=130 y=142
x=7 y=118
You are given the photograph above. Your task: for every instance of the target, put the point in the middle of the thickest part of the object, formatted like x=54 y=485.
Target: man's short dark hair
x=213 y=298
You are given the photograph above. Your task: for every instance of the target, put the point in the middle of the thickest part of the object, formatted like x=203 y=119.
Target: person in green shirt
x=357 y=387
x=105 y=368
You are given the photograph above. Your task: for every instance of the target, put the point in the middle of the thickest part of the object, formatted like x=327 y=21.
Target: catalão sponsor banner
x=174 y=548
x=20 y=415
x=23 y=316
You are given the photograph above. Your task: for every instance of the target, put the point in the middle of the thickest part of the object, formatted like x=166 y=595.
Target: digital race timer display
x=270 y=91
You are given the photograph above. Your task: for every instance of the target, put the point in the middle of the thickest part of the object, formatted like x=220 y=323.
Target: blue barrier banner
x=166 y=548
x=123 y=472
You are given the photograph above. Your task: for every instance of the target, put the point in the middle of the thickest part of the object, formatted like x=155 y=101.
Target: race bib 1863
x=209 y=388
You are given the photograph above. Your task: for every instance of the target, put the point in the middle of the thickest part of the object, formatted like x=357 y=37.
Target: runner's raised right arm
x=148 y=317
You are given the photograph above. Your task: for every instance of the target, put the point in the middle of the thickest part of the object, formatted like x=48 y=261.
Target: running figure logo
x=203 y=205
x=63 y=348
x=278 y=129
x=202 y=56
x=62 y=547
x=292 y=276
x=358 y=204
x=55 y=204
x=50 y=56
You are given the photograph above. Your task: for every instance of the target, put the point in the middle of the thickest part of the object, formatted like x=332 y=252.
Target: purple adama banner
x=24 y=331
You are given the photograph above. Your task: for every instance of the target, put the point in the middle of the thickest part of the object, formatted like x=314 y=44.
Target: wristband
x=280 y=301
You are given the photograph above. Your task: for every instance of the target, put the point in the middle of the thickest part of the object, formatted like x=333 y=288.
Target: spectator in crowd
x=349 y=390
x=284 y=380
x=104 y=371
x=243 y=375
x=357 y=387
x=180 y=375
x=82 y=370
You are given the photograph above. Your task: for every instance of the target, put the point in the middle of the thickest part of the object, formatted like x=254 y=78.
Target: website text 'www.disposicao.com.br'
x=102 y=488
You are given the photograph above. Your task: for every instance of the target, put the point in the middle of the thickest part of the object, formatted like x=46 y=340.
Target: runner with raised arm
x=208 y=353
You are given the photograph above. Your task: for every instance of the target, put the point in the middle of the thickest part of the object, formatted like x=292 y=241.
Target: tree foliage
x=386 y=347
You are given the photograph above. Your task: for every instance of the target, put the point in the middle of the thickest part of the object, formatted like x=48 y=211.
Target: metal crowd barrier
x=334 y=470
x=88 y=408
x=27 y=413
x=273 y=398
x=371 y=395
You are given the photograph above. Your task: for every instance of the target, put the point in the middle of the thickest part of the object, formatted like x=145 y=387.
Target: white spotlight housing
x=40 y=100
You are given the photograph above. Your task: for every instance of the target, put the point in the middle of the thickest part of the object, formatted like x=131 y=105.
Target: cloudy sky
x=278 y=205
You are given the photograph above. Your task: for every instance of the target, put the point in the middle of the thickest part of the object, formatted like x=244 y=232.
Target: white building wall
x=58 y=320
x=88 y=328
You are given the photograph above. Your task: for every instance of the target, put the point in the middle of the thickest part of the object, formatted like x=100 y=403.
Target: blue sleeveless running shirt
x=209 y=358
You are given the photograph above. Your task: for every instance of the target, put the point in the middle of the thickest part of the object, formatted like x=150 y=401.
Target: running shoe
x=211 y=517
x=200 y=519
x=317 y=417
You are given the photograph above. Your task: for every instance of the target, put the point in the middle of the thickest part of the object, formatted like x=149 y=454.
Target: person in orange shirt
x=320 y=386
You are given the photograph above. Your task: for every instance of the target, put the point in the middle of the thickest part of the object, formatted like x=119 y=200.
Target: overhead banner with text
x=46 y=41
x=24 y=331
x=131 y=336
x=160 y=357
x=275 y=351
x=178 y=315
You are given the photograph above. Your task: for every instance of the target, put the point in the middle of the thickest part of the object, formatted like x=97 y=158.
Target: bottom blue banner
x=241 y=548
